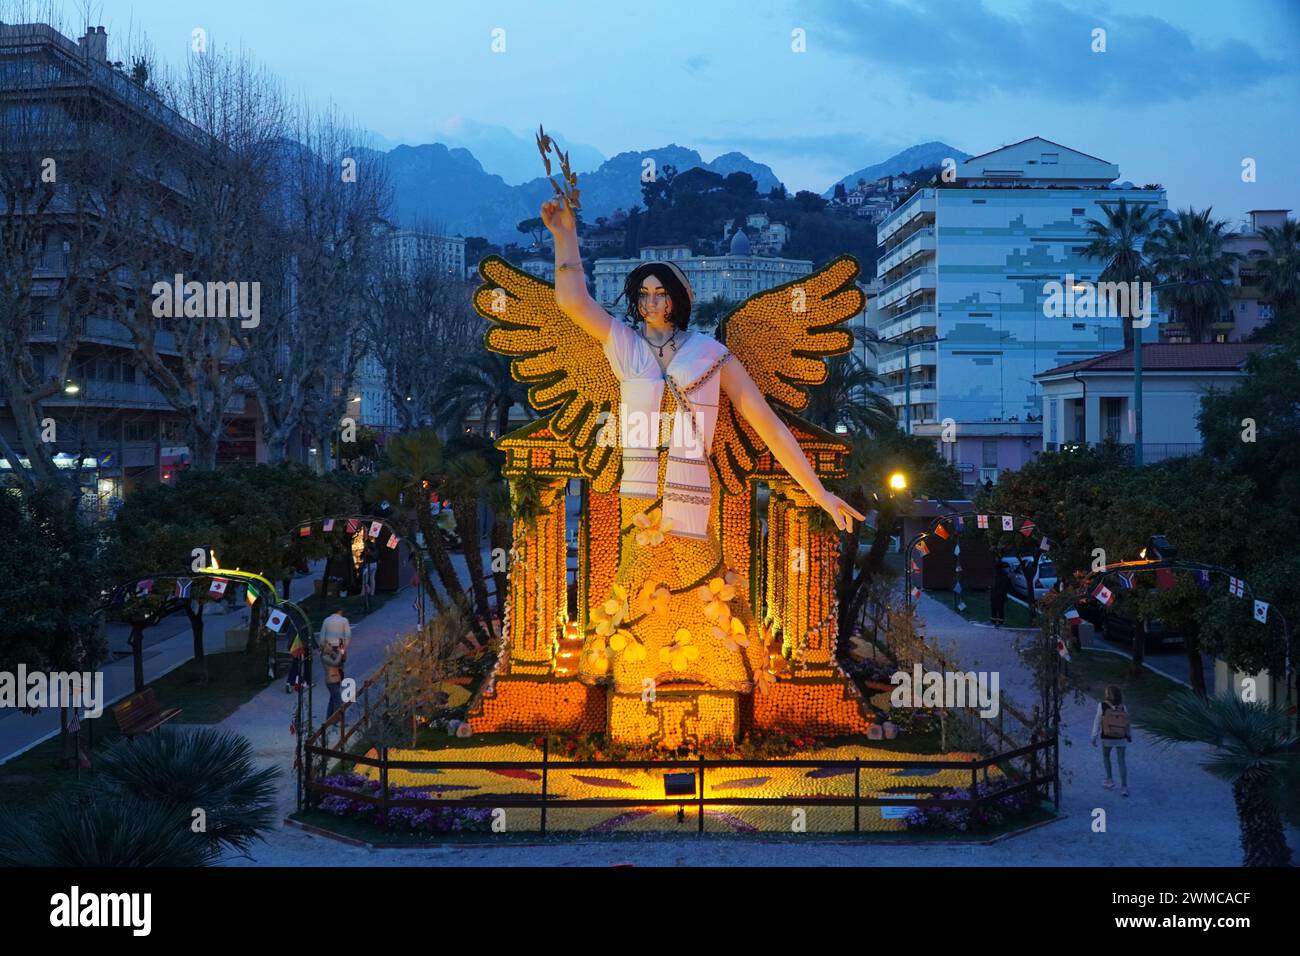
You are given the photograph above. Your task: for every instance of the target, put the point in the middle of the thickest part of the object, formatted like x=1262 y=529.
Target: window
x=990 y=454
x=1051 y=421
x=1112 y=409
x=1050 y=158
x=1076 y=212
x=146 y=430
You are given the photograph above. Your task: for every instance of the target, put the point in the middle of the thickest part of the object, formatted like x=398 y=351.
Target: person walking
x=1114 y=727
x=335 y=637
x=369 y=567
x=998 y=598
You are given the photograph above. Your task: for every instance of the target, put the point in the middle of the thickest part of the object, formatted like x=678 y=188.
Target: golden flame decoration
x=569 y=192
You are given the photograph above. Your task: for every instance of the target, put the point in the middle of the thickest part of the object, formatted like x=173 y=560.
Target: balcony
x=920 y=204
x=922 y=316
x=920 y=393
x=918 y=280
x=921 y=355
x=130 y=395
x=923 y=240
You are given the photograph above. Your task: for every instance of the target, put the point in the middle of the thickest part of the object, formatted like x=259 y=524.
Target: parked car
x=1119 y=625
x=1044 y=581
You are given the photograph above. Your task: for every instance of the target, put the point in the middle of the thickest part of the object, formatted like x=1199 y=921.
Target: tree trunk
x=1192 y=647
x=500 y=539
x=203 y=455
x=137 y=655
x=451 y=583
x=466 y=511
x=1139 y=646
x=254 y=625
x=1263 y=842
x=196 y=633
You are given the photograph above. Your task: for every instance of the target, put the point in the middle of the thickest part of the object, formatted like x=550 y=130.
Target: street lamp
x=898 y=481
x=71 y=388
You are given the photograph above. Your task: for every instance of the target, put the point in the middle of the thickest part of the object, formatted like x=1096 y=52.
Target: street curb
x=1145 y=663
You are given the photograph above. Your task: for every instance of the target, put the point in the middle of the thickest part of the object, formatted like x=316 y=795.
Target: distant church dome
x=740 y=243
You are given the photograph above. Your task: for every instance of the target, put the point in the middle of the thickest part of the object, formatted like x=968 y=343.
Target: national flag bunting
x=304 y=531
x=942 y=531
x=1103 y=595
x=1062 y=649
x=1203 y=580
x=1126 y=579
x=375 y=528
x=250 y=595
x=1008 y=523
x=218 y=587
x=956 y=587
x=915 y=567
x=144 y=587
x=1261 y=611
x=981 y=521
x=916 y=593
x=1027 y=528
x=922 y=547
x=327 y=524
x=182 y=588
x=297 y=648
x=959 y=524
x=1071 y=615
x=1165 y=579
x=353 y=525
x=1236 y=587
x=1044 y=544
x=392 y=540
x=275 y=620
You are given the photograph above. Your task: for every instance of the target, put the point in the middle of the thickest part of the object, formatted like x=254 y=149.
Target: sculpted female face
x=653 y=300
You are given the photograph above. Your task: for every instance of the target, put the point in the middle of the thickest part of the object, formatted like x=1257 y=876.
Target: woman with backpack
x=1112 y=724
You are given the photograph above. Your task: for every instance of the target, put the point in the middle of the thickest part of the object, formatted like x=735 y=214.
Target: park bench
x=140 y=714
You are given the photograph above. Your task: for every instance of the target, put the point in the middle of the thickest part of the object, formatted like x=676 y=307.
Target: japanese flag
x=275 y=621
x=981 y=521
x=375 y=528
x=1008 y=523
x=1261 y=611
x=1104 y=595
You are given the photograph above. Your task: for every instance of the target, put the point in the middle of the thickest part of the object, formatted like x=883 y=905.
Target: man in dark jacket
x=998 y=599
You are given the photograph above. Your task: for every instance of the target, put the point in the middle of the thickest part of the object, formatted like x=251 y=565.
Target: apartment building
x=125 y=431
x=966 y=270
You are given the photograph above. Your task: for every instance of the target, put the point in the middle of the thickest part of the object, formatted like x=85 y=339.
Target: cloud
x=966 y=51
x=849 y=146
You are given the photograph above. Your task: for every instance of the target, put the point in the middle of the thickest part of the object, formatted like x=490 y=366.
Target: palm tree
x=1189 y=251
x=465 y=479
x=483 y=382
x=1254 y=748
x=1280 y=265
x=1120 y=242
x=413 y=469
x=849 y=397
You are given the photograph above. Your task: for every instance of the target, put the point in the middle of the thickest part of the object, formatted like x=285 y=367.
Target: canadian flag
x=1104 y=595
x=218 y=587
x=981 y=521
x=275 y=621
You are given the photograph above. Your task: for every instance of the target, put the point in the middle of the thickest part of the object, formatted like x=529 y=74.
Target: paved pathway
x=1178 y=815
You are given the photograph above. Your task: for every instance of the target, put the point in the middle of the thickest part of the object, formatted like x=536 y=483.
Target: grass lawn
x=1091 y=670
x=354 y=607
x=979 y=609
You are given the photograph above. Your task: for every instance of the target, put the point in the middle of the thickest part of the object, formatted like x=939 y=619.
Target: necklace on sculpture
x=665 y=345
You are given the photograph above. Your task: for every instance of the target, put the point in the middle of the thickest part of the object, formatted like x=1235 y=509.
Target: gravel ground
x=1178 y=815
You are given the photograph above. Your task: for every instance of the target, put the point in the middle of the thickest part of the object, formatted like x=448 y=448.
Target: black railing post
x=546 y=750
x=1056 y=772
x=297 y=725
x=1033 y=769
x=383 y=783
x=701 y=803
x=974 y=784
x=857 y=794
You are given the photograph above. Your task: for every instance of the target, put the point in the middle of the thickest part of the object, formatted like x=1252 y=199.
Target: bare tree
x=194 y=246
x=305 y=353
x=421 y=323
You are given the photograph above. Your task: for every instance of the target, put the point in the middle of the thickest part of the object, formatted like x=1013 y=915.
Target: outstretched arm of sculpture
x=753 y=407
x=571 y=293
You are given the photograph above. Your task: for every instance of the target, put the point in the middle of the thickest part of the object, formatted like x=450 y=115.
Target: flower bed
x=994 y=812
x=411 y=819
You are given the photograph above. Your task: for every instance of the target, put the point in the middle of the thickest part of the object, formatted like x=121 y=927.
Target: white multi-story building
x=735 y=276
x=965 y=270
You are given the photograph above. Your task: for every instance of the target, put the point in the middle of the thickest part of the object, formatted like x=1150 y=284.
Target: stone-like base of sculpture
x=540 y=705
x=674 y=717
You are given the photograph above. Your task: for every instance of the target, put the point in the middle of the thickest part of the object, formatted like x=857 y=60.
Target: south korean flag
x=1236 y=587
x=1008 y=523
x=1261 y=611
